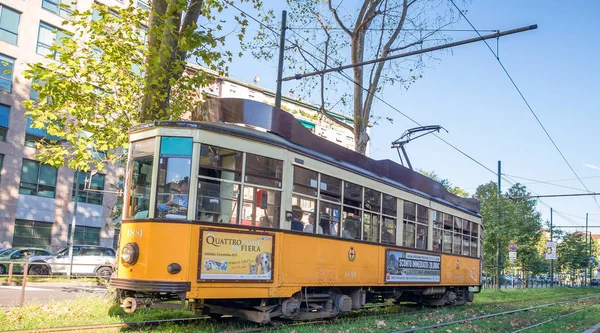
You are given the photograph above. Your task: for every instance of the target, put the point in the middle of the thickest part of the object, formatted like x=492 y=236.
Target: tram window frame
x=171 y=202
x=141 y=150
x=300 y=201
x=211 y=170
x=300 y=184
x=438 y=231
x=416 y=225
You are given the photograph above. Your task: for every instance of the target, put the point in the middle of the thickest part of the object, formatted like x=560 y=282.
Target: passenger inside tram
x=310 y=227
x=351 y=228
x=297 y=213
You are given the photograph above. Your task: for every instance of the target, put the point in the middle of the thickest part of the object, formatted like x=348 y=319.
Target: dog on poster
x=263 y=261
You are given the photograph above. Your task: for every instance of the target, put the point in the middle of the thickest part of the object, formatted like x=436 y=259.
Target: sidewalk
x=595 y=329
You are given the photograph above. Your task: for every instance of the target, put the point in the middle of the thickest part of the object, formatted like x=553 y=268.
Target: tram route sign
x=232 y=256
x=402 y=266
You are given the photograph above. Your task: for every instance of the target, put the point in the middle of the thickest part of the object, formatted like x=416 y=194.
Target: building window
x=38 y=179
x=4 y=114
x=85 y=235
x=47 y=36
x=9 y=24
x=143 y=4
x=33 y=135
x=62 y=8
x=7 y=65
x=32 y=233
x=96 y=184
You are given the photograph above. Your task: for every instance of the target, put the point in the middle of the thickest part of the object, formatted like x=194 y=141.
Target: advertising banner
x=235 y=256
x=402 y=266
x=551 y=251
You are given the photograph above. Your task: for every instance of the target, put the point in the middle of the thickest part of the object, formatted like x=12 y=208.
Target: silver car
x=88 y=260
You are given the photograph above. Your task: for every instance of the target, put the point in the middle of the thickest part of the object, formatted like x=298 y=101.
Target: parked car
x=88 y=260
x=20 y=254
x=595 y=282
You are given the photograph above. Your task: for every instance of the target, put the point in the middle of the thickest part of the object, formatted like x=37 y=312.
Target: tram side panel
x=460 y=271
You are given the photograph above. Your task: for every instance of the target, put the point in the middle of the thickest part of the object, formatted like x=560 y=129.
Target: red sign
x=512 y=247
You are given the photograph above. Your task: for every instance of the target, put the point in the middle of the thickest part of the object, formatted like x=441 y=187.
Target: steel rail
x=491 y=315
x=549 y=320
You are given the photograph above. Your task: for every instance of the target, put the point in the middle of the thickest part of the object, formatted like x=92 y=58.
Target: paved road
x=44 y=292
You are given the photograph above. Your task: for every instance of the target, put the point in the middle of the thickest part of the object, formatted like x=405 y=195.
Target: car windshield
x=7 y=252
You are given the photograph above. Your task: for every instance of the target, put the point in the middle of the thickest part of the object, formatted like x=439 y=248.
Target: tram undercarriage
x=308 y=304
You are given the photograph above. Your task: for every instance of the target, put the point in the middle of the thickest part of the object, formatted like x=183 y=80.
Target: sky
x=556 y=68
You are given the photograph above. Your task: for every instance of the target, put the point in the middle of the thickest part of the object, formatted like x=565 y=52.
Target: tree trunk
x=361 y=138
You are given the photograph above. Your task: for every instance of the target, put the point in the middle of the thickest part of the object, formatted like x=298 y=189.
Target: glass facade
x=9 y=24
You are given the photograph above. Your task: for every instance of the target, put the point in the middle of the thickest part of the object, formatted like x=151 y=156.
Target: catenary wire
x=386 y=103
x=526 y=102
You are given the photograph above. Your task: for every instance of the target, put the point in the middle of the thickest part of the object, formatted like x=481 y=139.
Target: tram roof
x=282 y=129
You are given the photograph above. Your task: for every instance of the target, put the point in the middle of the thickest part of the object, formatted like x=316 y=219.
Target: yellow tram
x=255 y=216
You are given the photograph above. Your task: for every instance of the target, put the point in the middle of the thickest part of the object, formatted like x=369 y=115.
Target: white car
x=88 y=260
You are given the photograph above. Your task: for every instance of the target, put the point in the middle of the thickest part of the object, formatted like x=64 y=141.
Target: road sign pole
x=551 y=261
x=499 y=220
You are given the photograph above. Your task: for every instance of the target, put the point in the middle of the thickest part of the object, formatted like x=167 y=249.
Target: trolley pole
x=551 y=261
x=281 y=54
x=499 y=220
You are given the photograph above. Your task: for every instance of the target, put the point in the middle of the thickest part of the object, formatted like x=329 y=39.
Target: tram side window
x=438 y=230
x=301 y=209
x=219 y=184
x=351 y=227
x=466 y=238
x=174 y=177
x=448 y=234
x=140 y=179
x=329 y=220
x=263 y=171
x=474 y=240
x=415 y=225
x=371 y=217
x=261 y=207
x=388 y=207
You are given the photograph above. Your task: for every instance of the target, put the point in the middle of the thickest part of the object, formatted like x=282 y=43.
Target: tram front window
x=140 y=178
x=173 y=177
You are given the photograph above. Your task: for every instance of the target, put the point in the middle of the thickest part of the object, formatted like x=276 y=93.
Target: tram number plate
x=473 y=288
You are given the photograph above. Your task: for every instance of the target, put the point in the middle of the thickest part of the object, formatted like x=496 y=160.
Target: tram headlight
x=130 y=253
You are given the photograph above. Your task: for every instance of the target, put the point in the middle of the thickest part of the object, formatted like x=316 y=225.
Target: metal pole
x=551 y=260
x=73 y=222
x=587 y=256
x=281 y=54
x=499 y=220
x=408 y=54
x=590 y=256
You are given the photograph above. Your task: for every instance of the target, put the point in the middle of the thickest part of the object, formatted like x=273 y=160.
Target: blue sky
x=557 y=69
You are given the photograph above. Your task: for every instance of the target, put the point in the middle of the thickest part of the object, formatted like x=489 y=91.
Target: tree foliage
x=576 y=253
x=104 y=79
x=507 y=221
x=339 y=33
x=446 y=183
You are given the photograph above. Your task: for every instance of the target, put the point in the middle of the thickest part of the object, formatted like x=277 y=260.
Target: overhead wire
x=525 y=100
x=503 y=176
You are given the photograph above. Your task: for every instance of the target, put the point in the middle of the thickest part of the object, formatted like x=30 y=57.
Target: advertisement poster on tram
x=401 y=266
x=235 y=256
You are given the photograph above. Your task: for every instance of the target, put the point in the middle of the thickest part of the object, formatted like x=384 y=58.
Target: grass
x=90 y=310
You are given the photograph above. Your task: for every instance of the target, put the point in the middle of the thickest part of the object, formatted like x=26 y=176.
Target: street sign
x=512 y=247
x=512 y=256
x=550 y=250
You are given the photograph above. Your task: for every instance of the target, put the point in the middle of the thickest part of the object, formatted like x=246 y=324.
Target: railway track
x=358 y=316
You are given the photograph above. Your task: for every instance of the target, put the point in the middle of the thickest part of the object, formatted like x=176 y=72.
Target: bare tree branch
x=338 y=20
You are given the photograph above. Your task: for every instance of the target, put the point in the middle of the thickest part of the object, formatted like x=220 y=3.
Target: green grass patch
x=91 y=310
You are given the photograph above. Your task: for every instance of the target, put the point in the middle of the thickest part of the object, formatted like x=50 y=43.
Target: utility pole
x=281 y=54
x=587 y=256
x=499 y=220
x=551 y=260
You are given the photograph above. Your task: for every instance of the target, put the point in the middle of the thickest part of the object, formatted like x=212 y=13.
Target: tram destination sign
x=235 y=256
x=402 y=266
